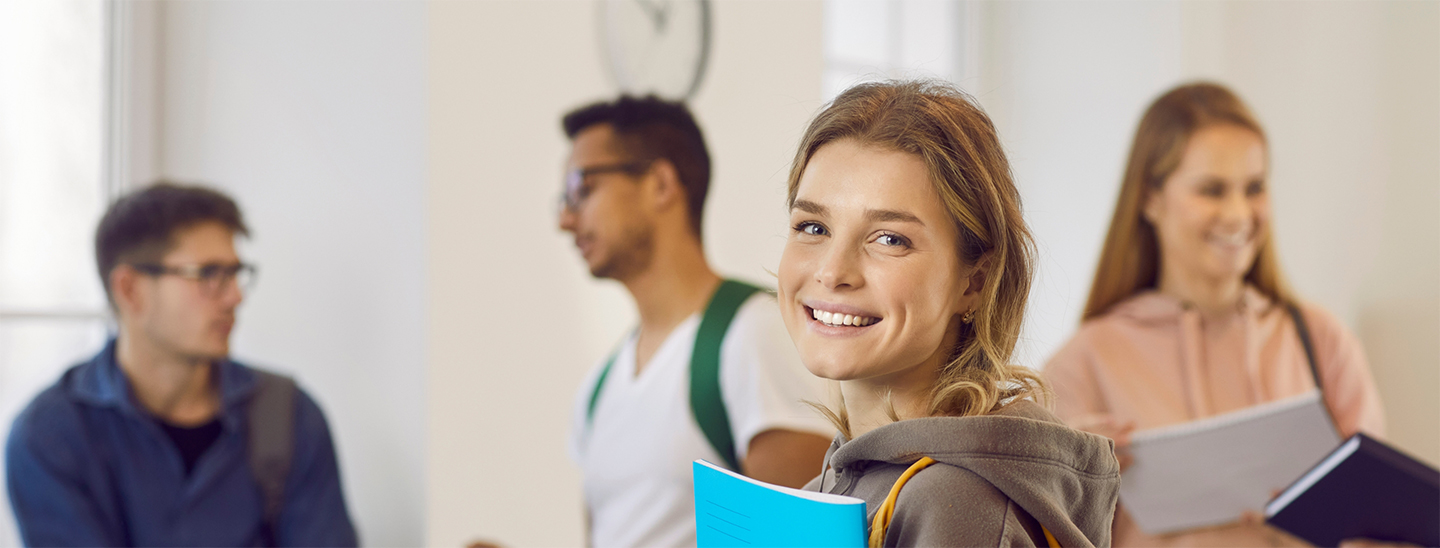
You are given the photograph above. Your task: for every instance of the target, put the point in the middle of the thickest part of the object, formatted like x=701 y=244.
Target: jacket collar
x=101 y=383
x=1153 y=306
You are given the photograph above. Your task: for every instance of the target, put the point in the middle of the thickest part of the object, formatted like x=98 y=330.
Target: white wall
x=1065 y=84
x=515 y=319
x=1347 y=92
x=1350 y=94
x=399 y=163
x=312 y=115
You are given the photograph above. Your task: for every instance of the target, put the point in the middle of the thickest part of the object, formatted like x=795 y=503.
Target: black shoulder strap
x=706 y=403
x=271 y=443
x=1304 y=332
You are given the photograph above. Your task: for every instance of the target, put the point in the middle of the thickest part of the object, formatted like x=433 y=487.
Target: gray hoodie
x=998 y=479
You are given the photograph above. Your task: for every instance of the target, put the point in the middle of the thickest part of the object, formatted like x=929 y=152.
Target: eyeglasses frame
x=212 y=282
x=574 y=192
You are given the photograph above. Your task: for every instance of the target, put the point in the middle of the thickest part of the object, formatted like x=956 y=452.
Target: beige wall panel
x=515 y=321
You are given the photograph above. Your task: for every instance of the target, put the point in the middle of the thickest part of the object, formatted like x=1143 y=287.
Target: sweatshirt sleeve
x=1349 y=388
x=314 y=512
x=46 y=468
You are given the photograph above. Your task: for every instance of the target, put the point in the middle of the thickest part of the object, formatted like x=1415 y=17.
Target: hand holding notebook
x=1209 y=472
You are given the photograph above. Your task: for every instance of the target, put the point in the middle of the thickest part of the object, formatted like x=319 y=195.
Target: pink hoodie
x=1151 y=359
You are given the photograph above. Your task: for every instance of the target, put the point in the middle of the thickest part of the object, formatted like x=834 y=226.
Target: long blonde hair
x=1130 y=260
x=956 y=140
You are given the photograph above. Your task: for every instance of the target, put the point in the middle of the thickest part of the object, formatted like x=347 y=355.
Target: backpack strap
x=1304 y=332
x=880 y=524
x=271 y=444
x=599 y=383
x=706 y=403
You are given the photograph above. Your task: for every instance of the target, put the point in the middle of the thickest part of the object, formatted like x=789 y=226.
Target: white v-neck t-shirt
x=636 y=452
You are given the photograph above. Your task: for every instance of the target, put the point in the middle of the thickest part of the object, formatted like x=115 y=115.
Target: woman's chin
x=835 y=370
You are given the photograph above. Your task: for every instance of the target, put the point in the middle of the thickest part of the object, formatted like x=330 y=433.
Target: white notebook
x=1208 y=472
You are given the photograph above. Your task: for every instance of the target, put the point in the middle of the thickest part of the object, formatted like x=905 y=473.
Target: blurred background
x=399 y=163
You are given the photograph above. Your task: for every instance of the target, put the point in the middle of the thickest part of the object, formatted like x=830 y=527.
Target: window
x=872 y=39
x=52 y=192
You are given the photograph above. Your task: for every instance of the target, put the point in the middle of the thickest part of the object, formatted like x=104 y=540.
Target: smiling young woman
x=1189 y=315
x=905 y=278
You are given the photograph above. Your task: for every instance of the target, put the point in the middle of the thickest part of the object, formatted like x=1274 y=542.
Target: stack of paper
x=1208 y=472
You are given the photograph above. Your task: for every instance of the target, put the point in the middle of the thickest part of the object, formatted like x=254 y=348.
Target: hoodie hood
x=1154 y=307
x=1066 y=479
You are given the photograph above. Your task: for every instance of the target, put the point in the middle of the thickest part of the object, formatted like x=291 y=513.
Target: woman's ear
x=1152 y=205
x=979 y=275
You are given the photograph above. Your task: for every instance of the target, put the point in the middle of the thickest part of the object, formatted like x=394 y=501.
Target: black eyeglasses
x=212 y=277
x=576 y=191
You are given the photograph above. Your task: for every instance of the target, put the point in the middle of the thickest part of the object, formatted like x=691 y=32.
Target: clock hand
x=656 y=13
x=662 y=15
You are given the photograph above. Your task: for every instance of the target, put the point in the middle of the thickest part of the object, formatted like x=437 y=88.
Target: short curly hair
x=141 y=225
x=651 y=128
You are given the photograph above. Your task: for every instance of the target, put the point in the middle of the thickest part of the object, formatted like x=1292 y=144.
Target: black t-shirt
x=192 y=441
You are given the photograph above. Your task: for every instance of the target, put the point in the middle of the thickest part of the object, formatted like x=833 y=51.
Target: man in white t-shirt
x=635 y=190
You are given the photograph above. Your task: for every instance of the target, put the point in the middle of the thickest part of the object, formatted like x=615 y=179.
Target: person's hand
x=1257 y=517
x=1111 y=427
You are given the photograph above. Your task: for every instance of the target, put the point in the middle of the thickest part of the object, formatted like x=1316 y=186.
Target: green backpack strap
x=599 y=383
x=706 y=403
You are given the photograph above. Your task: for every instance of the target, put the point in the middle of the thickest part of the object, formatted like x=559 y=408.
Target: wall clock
x=656 y=46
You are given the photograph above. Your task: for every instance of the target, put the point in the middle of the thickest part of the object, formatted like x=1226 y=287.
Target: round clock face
x=656 y=46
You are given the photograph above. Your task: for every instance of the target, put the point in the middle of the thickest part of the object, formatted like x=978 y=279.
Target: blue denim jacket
x=86 y=466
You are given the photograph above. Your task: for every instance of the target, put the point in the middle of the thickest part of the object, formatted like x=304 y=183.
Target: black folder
x=1363 y=489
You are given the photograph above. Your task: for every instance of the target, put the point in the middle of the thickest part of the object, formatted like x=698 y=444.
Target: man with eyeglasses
x=710 y=372
x=161 y=439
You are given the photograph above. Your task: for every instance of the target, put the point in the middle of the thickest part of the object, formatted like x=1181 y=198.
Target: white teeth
x=835 y=320
x=1232 y=239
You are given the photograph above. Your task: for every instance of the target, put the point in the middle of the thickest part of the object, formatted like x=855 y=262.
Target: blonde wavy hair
x=1130 y=260
x=952 y=135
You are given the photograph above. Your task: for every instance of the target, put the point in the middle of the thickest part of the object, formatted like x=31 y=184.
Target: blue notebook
x=733 y=510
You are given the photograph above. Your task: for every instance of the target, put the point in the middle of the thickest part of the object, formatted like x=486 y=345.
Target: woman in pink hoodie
x=1189 y=315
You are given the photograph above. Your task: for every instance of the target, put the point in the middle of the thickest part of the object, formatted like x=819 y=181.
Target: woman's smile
x=869 y=281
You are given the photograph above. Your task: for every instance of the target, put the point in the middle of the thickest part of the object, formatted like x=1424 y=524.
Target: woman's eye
x=1255 y=189
x=892 y=240
x=811 y=229
x=1213 y=190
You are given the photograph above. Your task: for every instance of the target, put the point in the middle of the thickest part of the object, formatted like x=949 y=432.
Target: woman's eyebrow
x=809 y=207
x=890 y=215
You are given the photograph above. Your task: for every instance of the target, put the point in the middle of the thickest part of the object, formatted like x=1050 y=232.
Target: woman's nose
x=838 y=268
x=1237 y=209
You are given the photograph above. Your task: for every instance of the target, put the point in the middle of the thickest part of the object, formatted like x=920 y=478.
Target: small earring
x=968 y=316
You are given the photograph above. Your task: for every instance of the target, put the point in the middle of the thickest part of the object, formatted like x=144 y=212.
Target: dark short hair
x=651 y=128
x=140 y=227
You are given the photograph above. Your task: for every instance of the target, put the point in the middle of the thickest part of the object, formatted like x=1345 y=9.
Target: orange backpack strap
x=881 y=521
